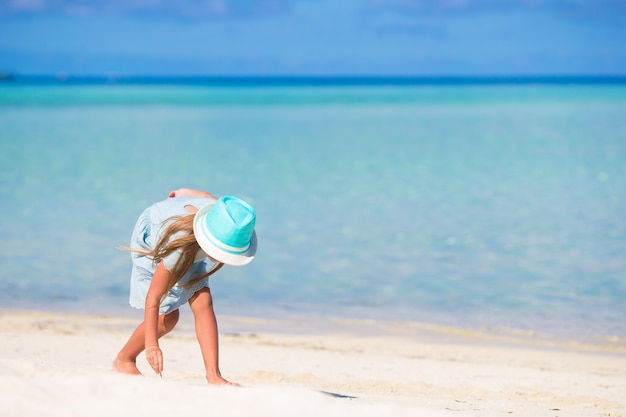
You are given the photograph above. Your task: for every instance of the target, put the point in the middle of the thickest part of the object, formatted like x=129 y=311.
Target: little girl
x=175 y=246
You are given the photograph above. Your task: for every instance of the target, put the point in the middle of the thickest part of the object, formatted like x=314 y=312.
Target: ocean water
x=499 y=206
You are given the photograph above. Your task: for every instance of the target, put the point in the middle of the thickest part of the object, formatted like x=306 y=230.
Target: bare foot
x=125 y=367
x=218 y=380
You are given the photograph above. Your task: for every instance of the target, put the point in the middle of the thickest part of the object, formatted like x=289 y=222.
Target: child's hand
x=155 y=358
x=188 y=192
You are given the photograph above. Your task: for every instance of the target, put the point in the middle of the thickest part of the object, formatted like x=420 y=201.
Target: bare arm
x=188 y=192
x=158 y=285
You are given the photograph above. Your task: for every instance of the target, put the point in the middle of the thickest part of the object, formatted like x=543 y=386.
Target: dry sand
x=55 y=364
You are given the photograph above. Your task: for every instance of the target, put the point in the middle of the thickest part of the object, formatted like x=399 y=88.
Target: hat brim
x=216 y=253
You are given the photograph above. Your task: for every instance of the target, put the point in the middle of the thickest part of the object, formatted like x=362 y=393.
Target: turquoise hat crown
x=225 y=230
x=230 y=224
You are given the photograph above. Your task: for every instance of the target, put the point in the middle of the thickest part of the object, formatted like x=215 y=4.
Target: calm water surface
x=471 y=205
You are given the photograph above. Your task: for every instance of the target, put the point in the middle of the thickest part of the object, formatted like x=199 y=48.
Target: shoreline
x=422 y=331
x=279 y=322
x=363 y=367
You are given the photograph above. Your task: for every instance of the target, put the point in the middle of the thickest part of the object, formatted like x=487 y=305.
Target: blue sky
x=313 y=37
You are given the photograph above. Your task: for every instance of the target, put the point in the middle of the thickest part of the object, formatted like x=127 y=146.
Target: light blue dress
x=146 y=233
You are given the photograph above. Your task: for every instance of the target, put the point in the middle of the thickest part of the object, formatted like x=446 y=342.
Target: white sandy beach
x=54 y=364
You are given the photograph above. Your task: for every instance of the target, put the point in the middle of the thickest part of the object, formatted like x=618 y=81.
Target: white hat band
x=221 y=245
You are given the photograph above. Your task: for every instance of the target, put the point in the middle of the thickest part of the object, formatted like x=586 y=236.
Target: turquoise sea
x=480 y=205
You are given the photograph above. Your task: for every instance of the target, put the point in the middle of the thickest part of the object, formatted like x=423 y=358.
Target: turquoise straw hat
x=225 y=230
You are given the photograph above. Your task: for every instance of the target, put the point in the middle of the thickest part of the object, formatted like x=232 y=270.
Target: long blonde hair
x=186 y=244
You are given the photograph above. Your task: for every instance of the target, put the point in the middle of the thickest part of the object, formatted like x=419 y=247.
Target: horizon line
x=315 y=80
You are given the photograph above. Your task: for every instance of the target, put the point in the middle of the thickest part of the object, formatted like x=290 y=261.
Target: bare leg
x=126 y=360
x=206 y=330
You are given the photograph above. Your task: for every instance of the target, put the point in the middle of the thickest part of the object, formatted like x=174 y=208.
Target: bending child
x=175 y=246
